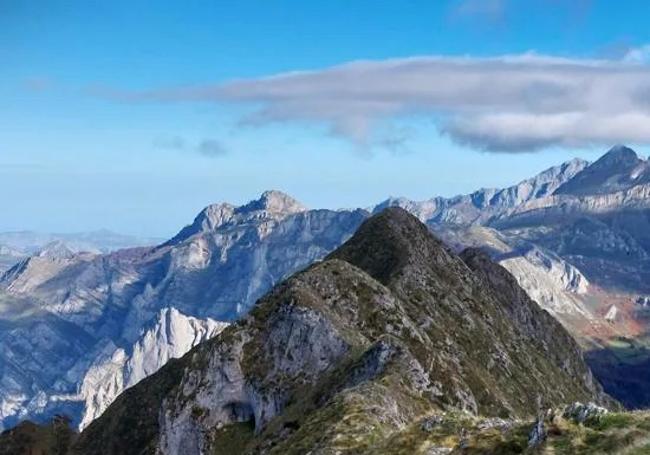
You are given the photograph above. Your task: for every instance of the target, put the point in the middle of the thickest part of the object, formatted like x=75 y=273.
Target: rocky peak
x=389 y=242
x=618 y=169
x=619 y=154
x=271 y=205
x=56 y=250
x=557 y=175
x=274 y=201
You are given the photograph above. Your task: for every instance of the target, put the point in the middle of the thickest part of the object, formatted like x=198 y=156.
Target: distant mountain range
x=576 y=238
x=20 y=244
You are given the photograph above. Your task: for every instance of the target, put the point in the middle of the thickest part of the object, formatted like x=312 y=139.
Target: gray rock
x=580 y=412
x=537 y=434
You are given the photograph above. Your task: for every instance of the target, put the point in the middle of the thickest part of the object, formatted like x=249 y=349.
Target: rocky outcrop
x=170 y=336
x=553 y=283
x=556 y=285
x=581 y=413
x=100 y=371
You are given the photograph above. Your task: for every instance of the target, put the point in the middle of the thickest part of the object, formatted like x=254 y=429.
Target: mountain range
x=18 y=245
x=80 y=327
x=343 y=356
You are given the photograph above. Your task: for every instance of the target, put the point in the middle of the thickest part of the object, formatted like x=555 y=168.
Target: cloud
x=509 y=103
x=492 y=10
x=207 y=147
x=501 y=13
x=210 y=148
x=638 y=55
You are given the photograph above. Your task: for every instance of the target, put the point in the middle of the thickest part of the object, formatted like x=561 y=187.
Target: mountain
x=101 y=241
x=576 y=255
x=15 y=246
x=557 y=286
x=91 y=324
x=9 y=256
x=601 y=229
x=619 y=169
x=580 y=249
x=388 y=328
x=482 y=205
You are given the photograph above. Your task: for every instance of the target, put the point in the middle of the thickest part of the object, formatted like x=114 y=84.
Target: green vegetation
x=611 y=434
x=233 y=438
x=54 y=438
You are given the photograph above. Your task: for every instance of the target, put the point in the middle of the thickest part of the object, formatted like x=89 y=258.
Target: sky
x=134 y=115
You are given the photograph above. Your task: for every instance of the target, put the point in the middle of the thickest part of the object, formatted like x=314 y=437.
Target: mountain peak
x=618 y=169
x=215 y=215
x=56 y=250
x=274 y=201
x=619 y=154
x=389 y=241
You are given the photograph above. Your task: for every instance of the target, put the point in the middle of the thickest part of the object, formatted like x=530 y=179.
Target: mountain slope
x=389 y=327
x=591 y=224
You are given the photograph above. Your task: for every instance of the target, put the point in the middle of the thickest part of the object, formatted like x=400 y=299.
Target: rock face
x=549 y=280
x=598 y=221
x=390 y=326
x=77 y=328
x=169 y=337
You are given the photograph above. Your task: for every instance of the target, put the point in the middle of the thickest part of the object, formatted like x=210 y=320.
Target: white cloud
x=638 y=55
x=509 y=103
x=491 y=9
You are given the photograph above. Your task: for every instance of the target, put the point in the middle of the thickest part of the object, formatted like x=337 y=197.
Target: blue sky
x=132 y=116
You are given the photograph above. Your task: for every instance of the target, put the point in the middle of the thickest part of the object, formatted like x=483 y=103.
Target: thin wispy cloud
x=500 y=12
x=491 y=10
x=506 y=104
x=210 y=148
